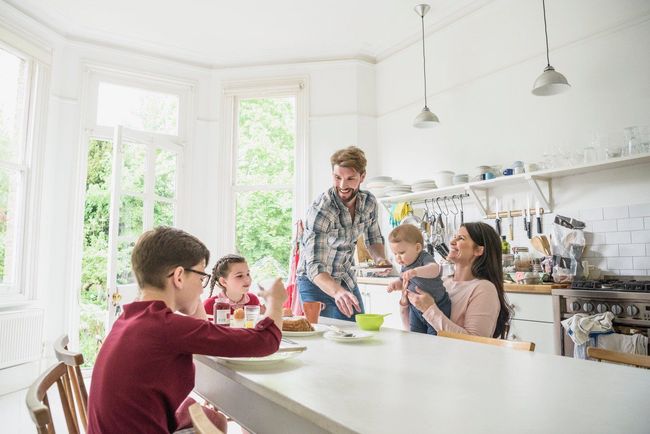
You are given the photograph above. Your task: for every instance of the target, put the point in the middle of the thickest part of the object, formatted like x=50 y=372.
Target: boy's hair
x=406 y=233
x=159 y=250
x=222 y=268
x=351 y=157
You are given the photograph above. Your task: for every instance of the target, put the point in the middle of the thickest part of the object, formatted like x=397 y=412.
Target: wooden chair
x=38 y=403
x=515 y=345
x=202 y=425
x=75 y=388
x=601 y=354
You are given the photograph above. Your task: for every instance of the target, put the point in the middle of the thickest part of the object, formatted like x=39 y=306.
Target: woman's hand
x=421 y=300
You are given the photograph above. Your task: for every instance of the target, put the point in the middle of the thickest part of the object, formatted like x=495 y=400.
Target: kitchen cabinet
x=377 y=300
x=532 y=320
x=539 y=182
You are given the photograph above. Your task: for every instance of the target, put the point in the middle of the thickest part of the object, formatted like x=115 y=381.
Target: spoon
x=341 y=332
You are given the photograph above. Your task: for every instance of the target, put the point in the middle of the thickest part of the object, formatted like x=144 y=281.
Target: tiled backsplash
x=618 y=238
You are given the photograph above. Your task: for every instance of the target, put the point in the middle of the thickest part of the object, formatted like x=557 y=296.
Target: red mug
x=312 y=310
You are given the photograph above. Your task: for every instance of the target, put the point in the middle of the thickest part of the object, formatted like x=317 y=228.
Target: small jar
x=221 y=313
x=522 y=259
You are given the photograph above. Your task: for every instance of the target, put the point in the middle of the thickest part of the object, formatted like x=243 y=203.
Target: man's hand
x=347 y=302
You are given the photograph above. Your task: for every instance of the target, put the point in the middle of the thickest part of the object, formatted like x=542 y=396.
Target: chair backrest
x=601 y=354
x=75 y=387
x=39 y=405
x=201 y=422
x=515 y=345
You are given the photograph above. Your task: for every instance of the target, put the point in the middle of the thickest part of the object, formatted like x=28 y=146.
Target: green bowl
x=369 y=321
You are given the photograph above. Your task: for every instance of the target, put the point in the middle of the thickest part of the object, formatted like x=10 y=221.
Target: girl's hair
x=222 y=268
x=407 y=233
x=488 y=266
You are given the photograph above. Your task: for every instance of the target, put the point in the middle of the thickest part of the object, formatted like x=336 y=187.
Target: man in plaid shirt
x=334 y=222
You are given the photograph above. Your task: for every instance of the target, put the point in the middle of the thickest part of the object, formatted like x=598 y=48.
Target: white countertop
x=407 y=382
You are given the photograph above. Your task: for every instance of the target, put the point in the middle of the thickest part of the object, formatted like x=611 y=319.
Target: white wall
x=480 y=74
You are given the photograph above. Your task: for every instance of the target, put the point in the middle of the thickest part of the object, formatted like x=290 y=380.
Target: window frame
x=29 y=168
x=234 y=91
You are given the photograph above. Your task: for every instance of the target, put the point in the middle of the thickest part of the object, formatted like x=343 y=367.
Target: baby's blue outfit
x=433 y=287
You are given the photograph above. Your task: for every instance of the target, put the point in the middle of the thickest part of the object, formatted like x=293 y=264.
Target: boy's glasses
x=205 y=277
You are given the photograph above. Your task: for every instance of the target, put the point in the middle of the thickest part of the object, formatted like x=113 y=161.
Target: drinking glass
x=251 y=316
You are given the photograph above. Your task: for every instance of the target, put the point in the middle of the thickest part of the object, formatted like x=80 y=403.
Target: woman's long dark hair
x=488 y=266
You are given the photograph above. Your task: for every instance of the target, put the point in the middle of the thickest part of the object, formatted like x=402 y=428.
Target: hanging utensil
x=529 y=227
x=462 y=217
x=497 y=220
x=538 y=217
x=511 y=226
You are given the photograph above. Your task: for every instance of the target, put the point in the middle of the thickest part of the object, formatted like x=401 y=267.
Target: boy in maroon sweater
x=144 y=370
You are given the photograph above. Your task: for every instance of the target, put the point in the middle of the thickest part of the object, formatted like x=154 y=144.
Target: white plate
x=358 y=336
x=318 y=328
x=260 y=361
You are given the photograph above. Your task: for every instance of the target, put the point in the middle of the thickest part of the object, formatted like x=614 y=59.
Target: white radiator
x=21 y=337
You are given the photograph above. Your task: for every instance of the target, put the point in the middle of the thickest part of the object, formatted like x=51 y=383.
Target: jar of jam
x=222 y=313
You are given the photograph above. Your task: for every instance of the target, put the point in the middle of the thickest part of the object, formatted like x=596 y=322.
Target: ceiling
x=228 y=33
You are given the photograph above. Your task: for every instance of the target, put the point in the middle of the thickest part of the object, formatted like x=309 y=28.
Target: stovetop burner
x=613 y=285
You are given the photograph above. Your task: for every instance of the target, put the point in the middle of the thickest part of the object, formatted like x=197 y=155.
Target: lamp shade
x=426 y=119
x=550 y=82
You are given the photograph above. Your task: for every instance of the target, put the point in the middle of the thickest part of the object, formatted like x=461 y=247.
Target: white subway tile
x=641 y=262
x=602 y=251
x=628 y=272
x=615 y=212
x=633 y=224
x=618 y=237
x=619 y=263
x=640 y=210
x=599 y=238
x=647 y=222
x=602 y=226
x=600 y=263
x=640 y=236
x=591 y=214
x=631 y=250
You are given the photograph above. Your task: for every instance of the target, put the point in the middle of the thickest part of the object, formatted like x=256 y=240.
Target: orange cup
x=312 y=310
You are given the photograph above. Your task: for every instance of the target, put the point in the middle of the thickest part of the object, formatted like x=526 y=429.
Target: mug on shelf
x=509 y=171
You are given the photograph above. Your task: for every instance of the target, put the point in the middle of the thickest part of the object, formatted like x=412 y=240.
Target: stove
x=627 y=297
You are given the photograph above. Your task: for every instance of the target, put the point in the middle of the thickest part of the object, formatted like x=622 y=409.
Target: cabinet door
x=532 y=307
x=541 y=333
x=383 y=302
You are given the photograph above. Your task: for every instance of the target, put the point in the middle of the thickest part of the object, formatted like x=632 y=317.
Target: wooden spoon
x=546 y=245
x=538 y=244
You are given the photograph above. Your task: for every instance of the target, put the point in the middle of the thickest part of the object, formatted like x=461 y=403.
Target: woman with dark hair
x=478 y=304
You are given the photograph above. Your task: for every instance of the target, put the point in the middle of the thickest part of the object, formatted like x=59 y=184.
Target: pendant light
x=426 y=119
x=550 y=82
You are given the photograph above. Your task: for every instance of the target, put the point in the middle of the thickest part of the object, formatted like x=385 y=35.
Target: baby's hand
x=408 y=275
x=395 y=285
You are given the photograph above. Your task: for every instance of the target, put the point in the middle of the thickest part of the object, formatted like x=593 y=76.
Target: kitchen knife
x=529 y=224
x=497 y=220
x=538 y=217
x=511 y=226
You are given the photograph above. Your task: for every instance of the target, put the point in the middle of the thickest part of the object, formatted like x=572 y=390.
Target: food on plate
x=238 y=314
x=287 y=312
x=298 y=324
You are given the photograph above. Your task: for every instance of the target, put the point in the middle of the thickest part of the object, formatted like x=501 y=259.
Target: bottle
x=221 y=313
x=505 y=245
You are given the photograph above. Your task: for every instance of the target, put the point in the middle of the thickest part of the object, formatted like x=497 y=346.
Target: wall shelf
x=539 y=183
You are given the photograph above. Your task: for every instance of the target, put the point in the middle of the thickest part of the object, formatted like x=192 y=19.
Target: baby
x=418 y=269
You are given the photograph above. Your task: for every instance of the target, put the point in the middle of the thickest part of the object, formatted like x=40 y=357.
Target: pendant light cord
x=548 y=61
x=424 y=60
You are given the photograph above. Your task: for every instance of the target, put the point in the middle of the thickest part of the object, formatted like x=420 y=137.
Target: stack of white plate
x=378 y=185
x=396 y=190
x=460 y=178
x=424 y=184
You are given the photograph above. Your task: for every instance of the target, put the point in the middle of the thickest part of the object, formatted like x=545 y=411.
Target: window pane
x=165 y=173
x=133 y=159
x=264 y=232
x=163 y=214
x=138 y=109
x=100 y=156
x=131 y=211
x=267 y=139
x=13 y=101
x=124 y=272
x=9 y=192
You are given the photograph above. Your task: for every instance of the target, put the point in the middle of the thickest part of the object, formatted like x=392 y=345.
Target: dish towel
x=631 y=344
x=580 y=325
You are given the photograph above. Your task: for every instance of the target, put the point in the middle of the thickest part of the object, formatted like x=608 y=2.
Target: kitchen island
x=401 y=382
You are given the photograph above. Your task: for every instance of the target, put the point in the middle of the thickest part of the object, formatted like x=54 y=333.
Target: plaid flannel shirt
x=329 y=238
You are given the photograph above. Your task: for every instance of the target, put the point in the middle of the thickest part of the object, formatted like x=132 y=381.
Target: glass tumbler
x=251 y=316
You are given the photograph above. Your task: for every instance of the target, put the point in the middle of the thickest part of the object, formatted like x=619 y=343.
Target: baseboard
x=18 y=377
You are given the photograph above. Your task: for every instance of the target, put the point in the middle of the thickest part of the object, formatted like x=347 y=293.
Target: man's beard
x=353 y=196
